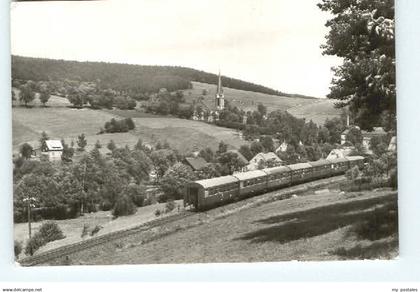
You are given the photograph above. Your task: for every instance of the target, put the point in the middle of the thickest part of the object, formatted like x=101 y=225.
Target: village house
x=366 y=136
x=196 y=163
x=282 y=147
x=269 y=159
x=340 y=153
x=53 y=149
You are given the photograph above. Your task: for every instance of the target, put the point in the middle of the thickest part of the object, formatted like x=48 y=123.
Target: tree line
x=117 y=181
x=131 y=79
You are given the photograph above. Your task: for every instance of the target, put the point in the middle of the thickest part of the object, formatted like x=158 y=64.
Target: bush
x=95 y=230
x=148 y=201
x=50 y=231
x=136 y=193
x=158 y=213
x=130 y=124
x=118 y=126
x=124 y=206
x=365 y=183
x=381 y=223
x=393 y=178
x=85 y=230
x=34 y=244
x=17 y=248
x=169 y=206
x=124 y=103
x=105 y=205
x=353 y=173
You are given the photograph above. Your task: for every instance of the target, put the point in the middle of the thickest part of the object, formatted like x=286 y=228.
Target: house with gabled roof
x=53 y=149
x=196 y=163
x=269 y=159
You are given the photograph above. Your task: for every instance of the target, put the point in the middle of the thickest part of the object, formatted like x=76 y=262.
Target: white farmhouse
x=282 y=147
x=269 y=159
x=53 y=149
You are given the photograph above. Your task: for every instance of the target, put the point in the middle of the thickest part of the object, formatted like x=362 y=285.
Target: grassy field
x=61 y=121
x=316 y=225
x=316 y=109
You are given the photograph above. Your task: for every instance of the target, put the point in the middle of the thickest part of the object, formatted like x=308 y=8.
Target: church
x=220 y=97
x=210 y=112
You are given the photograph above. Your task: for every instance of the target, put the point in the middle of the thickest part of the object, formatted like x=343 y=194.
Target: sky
x=275 y=43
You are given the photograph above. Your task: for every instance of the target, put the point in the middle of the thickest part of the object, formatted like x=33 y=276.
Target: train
x=210 y=193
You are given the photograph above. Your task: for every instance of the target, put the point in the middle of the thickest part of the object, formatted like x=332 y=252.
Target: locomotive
x=209 y=193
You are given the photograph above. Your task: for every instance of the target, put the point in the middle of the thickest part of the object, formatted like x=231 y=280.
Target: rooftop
x=54 y=145
x=196 y=163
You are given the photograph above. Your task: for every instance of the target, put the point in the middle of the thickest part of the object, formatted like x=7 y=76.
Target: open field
x=316 y=109
x=316 y=225
x=60 y=121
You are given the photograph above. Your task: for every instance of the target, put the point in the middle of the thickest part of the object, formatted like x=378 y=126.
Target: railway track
x=105 y=238
x=101 y=239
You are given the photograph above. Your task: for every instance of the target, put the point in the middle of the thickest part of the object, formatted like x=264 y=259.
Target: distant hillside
x=243 y=99
x=125 y=77
x=315 y=109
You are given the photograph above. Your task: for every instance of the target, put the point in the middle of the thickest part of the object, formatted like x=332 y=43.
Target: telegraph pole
x=29 y=201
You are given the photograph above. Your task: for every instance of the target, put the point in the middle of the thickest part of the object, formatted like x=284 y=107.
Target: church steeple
x=220 y=98
x=219 y=85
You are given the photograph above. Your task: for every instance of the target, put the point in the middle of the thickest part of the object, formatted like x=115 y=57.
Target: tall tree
x=362 y=33
x=256 y=147
x=81 y=142
x=26 y=151
x=26 y=95
x=42 y=140
x=246 y=152
x=262 y=109
x=174 y=181
x=267 y=143
x=207 y=154
x=230 y=163
x=222 y=148
x=44 y=96
x=76 y=97
x=68 y=152
x=111 y=145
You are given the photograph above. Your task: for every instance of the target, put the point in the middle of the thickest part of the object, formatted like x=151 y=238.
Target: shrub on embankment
x=48 y=232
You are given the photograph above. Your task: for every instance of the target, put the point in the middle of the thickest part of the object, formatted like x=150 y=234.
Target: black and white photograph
x=210 y=131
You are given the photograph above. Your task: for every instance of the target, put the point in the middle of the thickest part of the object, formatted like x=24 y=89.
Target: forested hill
x=125 y=77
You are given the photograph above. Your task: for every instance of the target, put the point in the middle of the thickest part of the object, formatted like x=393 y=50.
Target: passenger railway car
x=321 y=168
x=251 y=182
x=209 y=193
x=356 y=160
x=339 y=165
x=278 y=177
x=300 y=172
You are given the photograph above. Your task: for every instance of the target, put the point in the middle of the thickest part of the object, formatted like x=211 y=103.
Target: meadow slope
x=315 y=109
x=316 y=225
x=62 y=122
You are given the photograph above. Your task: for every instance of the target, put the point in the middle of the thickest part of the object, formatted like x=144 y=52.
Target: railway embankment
x=157 y=229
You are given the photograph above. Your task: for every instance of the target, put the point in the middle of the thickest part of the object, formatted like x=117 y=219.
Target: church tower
x=220 y=98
